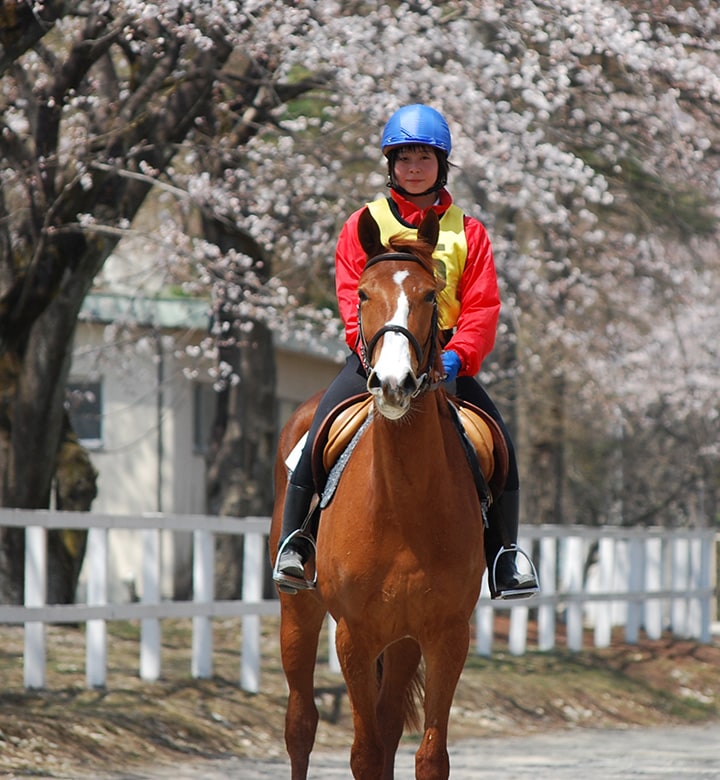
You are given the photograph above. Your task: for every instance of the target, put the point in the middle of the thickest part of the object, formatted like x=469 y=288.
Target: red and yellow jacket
x=470 y=302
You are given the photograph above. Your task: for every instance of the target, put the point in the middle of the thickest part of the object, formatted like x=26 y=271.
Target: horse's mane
x=415 y=246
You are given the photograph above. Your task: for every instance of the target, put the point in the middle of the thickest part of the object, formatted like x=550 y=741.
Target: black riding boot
x=505 y=580
x=296 y=544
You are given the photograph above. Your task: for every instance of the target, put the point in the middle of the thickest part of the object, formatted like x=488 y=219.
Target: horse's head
x=397 y=314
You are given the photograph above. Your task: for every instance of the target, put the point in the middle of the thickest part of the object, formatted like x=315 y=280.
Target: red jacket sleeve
x=479 y=297
x=349 y=263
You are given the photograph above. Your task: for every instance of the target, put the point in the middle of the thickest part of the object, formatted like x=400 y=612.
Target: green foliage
x=666 y=203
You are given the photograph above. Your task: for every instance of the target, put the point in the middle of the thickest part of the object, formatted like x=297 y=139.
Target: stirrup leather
x=287 y=583
x=512 y=593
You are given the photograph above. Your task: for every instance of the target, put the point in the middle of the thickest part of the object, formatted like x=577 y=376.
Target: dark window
x=83 y=401
x=204 y=406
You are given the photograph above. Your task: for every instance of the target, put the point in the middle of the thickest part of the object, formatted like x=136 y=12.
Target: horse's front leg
x=445 y=652
x=359 y=665
x=301 y=618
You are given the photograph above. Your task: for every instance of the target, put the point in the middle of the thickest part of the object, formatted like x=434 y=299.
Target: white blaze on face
x=394 y=360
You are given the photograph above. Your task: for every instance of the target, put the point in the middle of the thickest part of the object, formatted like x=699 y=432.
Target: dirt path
x=680 y=753
x=575 y=707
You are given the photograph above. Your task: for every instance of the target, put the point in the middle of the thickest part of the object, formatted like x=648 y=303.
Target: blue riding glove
x=451 y=364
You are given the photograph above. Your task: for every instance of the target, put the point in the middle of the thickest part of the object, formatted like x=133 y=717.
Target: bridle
x=368 y=347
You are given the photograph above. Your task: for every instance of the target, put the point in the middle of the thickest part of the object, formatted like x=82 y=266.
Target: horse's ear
x=429 y=228
x=369 y=234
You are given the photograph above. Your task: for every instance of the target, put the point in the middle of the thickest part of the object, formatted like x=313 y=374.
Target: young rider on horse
x=416 y=142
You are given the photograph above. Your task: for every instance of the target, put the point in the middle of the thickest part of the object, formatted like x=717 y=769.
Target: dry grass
x=68 y=730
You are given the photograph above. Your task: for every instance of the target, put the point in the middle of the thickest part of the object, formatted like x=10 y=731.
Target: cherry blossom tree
x=585 y=136
x=98 y=98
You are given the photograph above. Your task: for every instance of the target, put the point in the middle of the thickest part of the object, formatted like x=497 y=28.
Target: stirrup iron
x=285 y=582
x=514 y=593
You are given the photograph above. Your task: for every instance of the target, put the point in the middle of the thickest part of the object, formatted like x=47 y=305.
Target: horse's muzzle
x=393 y=397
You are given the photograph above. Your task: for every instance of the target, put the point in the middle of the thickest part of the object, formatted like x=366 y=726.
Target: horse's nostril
x=373 y=382
x=409 y=384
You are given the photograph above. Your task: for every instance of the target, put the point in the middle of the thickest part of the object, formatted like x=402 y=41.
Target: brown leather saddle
x=344 y=422
x=489 y=443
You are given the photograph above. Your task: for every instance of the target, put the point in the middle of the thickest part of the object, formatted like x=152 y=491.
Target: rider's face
x=416 y=169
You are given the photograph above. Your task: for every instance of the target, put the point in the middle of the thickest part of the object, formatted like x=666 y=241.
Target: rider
x=416 y=142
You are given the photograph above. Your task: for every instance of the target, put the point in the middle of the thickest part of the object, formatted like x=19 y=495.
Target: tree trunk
x=38 y=446
x=242 y=447
x=241 y=455
x=47 y=271
x=75 y=490
x=143 y=103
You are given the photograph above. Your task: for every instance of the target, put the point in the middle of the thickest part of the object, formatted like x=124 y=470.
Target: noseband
x=368 y=347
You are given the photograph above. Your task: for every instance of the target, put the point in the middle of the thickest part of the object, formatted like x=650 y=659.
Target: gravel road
x=687 y=753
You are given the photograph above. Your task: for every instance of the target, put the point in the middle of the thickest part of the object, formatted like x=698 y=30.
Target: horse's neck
x=419 y=438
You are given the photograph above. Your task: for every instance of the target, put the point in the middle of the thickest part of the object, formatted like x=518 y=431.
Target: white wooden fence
x=151 y=609
x=640 y=578
x=645 y=578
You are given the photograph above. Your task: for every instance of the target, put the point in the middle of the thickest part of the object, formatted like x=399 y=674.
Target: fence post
x=603 y=609
x=619 y=614
x=484 y=622
x=253 y=559
x=635 y=580
x=150 y=627
x=96 y=633
x=653 y=583
x=35 y=596
x=699 y=607
x=680 y=581
x=546 y=612
x=333 y=660
x=203 y=593
x=574 y=563
x=517 y=639
x=707 y=568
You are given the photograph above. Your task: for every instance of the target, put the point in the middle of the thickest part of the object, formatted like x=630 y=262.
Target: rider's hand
x=451 y=364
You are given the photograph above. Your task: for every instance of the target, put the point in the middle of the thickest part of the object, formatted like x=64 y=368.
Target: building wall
x=298 y=377
x=147 y=461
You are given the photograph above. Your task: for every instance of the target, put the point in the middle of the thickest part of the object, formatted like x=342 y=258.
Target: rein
x=368 y=347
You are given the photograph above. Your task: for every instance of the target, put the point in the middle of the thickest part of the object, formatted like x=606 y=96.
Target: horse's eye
x=362 y=295
x=430 y=297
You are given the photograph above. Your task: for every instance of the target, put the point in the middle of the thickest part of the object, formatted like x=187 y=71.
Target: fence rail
x=646 y=579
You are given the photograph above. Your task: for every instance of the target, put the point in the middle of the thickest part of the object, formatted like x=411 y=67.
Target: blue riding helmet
x=417 y=124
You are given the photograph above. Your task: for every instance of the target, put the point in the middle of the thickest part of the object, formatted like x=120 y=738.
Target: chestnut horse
x=400 y=545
